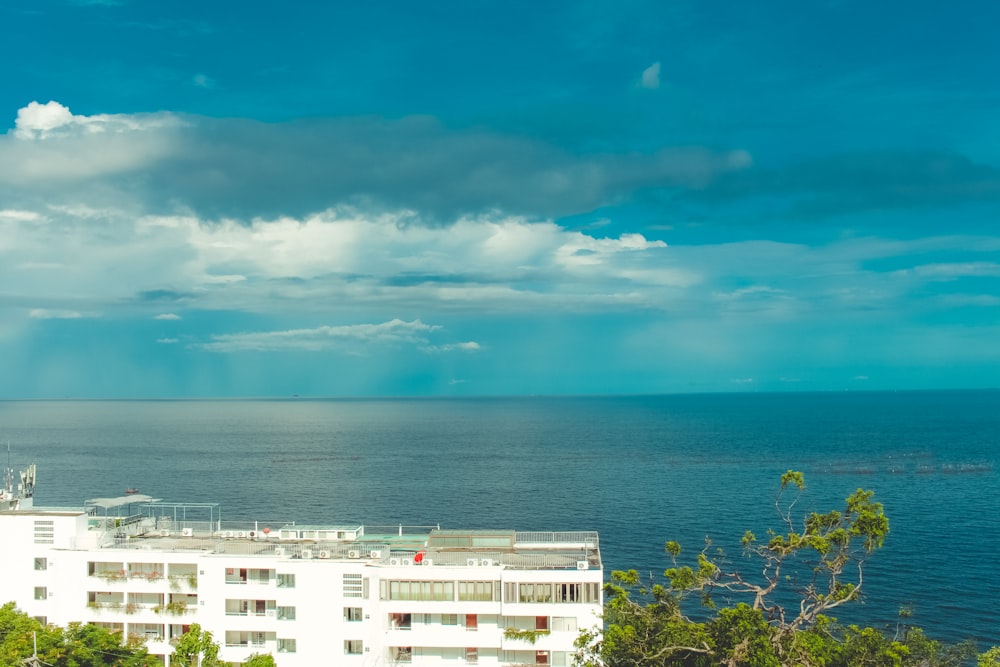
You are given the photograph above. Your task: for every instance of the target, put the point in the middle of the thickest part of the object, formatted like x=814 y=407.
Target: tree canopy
x=77 y=645
x=777 y=614
x=87 y=645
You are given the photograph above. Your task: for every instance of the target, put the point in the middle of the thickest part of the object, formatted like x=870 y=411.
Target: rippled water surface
x=640 y=470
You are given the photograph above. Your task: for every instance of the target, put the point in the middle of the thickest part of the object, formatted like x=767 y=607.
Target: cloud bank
x=242 y=169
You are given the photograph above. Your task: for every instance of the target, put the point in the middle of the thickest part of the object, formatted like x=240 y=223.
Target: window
x=400 y=621
x=286 y=613
x=403 y=653
x=41 y=564
x=286 y=581
x=471 y=622
x=353 y=647
x=567 y=592
x=541 y=657
x=44 y=620
x=564 y=623
x=471 y=656
x=546 y=592
x=541 y=622
x=418 y=590
x=41 y=593
x=534 y=593
x=475 y=590
x=286 y=646
x=353 y=586
x=449 y=619
x=352 y=614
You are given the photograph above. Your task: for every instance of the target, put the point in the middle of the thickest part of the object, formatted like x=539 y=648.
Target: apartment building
x=349 y=595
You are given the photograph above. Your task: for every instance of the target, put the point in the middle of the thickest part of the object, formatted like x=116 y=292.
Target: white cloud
x=651 y=77
x=468 y=346
x=373 y=266
x=166 y=341
x=393 y=332
x=167 y=316
x=51 y=150
x=203 y=81
x=40 y=121
x=55 y=314
x=16 y=215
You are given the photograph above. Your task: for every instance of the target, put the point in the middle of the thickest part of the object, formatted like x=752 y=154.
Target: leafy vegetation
x=779 y=616
x=86 y=645
x=77 y=645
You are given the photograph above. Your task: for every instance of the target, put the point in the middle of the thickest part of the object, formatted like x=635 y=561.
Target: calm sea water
x=641 y=470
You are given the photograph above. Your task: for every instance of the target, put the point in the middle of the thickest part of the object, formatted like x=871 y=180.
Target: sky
x=497 y=198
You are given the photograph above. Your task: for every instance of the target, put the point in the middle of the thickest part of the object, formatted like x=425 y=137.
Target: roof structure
x=108 y=503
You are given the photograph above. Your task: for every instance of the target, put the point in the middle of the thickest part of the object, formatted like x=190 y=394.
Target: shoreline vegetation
x=771 y=608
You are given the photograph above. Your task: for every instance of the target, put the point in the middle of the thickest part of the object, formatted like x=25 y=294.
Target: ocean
x=640 y=470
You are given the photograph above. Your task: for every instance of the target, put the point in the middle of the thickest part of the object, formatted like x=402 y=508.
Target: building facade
x=307 y=594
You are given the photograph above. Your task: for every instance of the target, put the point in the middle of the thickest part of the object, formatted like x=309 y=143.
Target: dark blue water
x=641 y=470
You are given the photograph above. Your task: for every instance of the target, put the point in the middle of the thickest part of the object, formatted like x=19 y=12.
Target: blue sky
x=247 y=199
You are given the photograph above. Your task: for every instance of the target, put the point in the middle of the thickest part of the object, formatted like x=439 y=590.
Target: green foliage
x=78 y=645
x=818 y=563
x=259 y=660
x=195 y=648
x=530 y=636
x=990 y=659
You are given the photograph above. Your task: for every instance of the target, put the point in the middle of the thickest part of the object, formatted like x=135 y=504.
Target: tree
x=78 y=645
x=780 y=617
x=991 y=658
x=195 y=648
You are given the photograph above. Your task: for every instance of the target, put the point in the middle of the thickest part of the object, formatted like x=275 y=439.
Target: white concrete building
x=308 y=594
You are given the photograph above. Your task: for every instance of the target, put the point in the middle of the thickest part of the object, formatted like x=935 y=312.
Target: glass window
x=41 y=593
x=41 y=564
x=449 y=619
x=353 y=647
x=352 y=614
x=403 y=653
x=286 y=581
x=472 y=656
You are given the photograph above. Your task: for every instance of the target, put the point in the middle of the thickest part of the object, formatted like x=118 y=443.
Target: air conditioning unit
x=354 y=553
x=407 y=561
x=324 y=554
x=279 y=552
x=582 y=565
x=472 y=562
x=486 y=562
x=228 y=533
x=427 y=561
x=241 y=533
x=165 y=533
x=251 y=534
x=374 y=553
x=187 y=532
x=307 y=553
x=393 y=561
